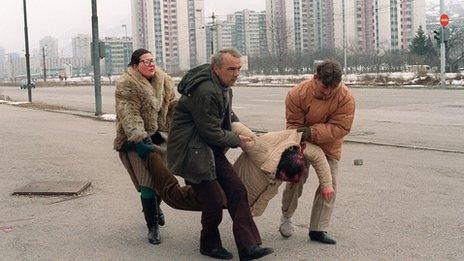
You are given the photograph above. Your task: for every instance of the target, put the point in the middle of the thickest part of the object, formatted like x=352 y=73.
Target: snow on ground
x=108 y=117
x=393 y=78
x=12 y=102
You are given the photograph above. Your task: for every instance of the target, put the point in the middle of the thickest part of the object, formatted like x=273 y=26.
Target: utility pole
x=44 y=64
x=96 y=59
x=212 y=32
x=28 y=64
x=442 y=47
x=344 y=38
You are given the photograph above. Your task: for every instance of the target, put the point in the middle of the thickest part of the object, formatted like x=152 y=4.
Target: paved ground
x=401 y=204
x=430 y=118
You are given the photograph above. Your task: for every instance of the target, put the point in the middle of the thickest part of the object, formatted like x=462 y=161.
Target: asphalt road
x=402 y=204
x=423 y=118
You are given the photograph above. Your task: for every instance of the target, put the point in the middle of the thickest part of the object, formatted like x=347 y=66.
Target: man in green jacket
x=199 y=135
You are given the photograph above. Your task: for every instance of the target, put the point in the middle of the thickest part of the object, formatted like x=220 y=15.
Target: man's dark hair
x=329 y=72
x=135 y=58
x=291 y=163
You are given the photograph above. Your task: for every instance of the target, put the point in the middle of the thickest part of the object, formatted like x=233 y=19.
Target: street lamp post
x=213 y=17
x=44 y=65
x=28 y=64
x=96 y=59
x=442 y=48
x=344 y=38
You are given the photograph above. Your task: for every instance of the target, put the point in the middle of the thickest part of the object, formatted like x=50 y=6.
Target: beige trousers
x=322 y=210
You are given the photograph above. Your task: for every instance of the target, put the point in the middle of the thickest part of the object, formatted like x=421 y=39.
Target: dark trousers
x=167 y=186
x=210 y=196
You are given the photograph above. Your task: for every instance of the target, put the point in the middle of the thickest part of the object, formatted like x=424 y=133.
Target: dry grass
x=42 y=106
x=5 y=97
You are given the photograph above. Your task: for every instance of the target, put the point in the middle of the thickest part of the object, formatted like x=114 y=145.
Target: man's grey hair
x=216 y=59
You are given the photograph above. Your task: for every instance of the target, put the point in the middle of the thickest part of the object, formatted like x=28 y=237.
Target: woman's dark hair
x=291 y=163
x=135 y=58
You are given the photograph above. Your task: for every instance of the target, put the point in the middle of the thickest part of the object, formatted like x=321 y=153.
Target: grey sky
x=63 y=19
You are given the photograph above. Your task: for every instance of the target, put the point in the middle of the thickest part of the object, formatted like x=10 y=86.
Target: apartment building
x=2 y=64
x=50 y=46
x=81 y=47
x=300 y=25
x=219 y=35
x=317 y=25
x=246 y=32
x=378 y=25
x=280 y=23
x=262 y=29
x=173 y=30
x=15 y=67
x=118 y=52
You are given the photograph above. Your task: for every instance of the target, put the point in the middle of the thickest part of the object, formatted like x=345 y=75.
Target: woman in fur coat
x=144 y=101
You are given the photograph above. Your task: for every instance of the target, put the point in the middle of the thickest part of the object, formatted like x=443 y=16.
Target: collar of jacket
x=137 y=76
x=313 y=86
x=267 y=150
x=217 y=82
x=197 y=75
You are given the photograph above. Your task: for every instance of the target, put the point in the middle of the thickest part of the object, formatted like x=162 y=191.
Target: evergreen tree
x=419 y=43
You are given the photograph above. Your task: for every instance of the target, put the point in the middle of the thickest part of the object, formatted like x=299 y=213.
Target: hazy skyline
x=63 y=19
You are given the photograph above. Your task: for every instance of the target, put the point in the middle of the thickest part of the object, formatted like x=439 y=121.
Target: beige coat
x=257 y=165
x=142 y=107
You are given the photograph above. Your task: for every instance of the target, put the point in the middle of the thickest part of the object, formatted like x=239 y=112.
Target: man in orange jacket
x=324 y=108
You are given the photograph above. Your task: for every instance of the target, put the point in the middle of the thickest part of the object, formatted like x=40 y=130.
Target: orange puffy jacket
x=329 y=119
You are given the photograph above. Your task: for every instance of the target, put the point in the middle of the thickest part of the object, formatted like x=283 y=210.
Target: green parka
x=202 y=120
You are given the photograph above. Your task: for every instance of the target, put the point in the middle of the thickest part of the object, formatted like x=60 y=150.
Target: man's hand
x=306 y=133
x=244 y=141
x=327 y=193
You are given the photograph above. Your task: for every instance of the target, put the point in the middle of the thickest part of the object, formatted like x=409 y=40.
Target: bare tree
x=455 y=49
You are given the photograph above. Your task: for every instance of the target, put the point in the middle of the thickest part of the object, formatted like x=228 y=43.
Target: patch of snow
x=12 y=102
x=457 y=82
x=108 y=117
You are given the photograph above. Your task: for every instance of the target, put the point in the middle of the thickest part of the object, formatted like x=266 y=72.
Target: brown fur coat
x=142 y=107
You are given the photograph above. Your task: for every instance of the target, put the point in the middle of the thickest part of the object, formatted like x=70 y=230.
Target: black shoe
x=322 y=236
x=218 y=253
x=254 y=252
x=154 y=235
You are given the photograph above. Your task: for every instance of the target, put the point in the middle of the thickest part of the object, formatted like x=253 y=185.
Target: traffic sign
x=444 y=20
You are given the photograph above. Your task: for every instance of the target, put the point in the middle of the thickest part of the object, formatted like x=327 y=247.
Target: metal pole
x=212 y=34
x=96 y=59
x=344 y=38
x=442 y=48
x=28 y=64
x=44 y=64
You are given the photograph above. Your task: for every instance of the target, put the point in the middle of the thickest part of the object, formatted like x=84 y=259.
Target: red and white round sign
x=444 y=20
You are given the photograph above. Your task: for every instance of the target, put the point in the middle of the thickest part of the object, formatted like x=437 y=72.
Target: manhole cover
x=53 y=188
